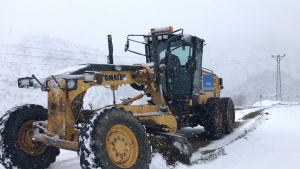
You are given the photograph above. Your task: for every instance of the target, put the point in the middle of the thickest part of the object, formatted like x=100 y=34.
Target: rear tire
x=229 y=112
x=114 y=139
x=215 y=123
x=17 y=149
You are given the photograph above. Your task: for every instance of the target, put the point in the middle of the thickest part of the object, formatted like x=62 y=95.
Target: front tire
x=215 y=122
x=18 y=149
x=114 y=139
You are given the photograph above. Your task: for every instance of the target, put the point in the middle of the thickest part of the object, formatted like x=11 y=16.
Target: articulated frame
x=60 y=131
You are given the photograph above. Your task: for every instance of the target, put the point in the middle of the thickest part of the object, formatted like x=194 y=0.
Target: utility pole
x=278 y=79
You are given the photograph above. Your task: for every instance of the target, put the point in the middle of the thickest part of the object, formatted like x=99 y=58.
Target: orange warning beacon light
x=162 y=30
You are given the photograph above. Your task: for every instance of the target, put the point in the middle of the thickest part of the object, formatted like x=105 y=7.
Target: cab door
x=178 y=80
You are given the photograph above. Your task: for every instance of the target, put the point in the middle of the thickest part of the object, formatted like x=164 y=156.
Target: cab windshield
x=177 y=50
x=176 y=80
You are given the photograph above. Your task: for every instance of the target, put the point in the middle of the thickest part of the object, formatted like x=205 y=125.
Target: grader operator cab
x=182 y=93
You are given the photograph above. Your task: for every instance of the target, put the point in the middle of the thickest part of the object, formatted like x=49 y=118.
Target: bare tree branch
x=239 y=99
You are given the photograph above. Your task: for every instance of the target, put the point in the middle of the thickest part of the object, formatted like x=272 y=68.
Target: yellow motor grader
x=181 y=93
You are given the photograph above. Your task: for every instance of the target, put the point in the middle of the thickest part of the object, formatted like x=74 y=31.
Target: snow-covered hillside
x=24 y=53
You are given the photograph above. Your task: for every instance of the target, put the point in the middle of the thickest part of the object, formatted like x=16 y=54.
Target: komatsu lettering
x=114 y=77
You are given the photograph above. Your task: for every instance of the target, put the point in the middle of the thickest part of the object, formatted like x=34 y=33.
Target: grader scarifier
x=182 y=93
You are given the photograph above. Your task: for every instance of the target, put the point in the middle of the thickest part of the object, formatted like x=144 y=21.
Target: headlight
x=146 y=38
x=159 y=37
x=165 y=37
x=89 y=77
x=25 y=82
x=72 y=84
x=92 y=77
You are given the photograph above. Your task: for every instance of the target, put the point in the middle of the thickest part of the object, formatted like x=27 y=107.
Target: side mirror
x=187 y=39
x=126 y=45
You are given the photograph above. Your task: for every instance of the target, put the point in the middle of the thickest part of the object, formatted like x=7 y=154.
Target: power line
x=17 y=46
x=223 y=64
x=205 y=61
x=32 y=63
x=13 y=54
x=50 y=49
x=64 y=41
x=93 y=61
x=27 y=63
x=278 y=77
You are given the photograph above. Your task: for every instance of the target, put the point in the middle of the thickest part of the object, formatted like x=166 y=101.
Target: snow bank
x=267 y=103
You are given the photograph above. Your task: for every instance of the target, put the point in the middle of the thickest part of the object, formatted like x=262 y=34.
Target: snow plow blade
x=173 y=147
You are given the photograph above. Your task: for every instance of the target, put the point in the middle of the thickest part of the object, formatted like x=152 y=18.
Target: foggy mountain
x=234 y=58
x=238 y=62
x=264 y=83
x=245 y=64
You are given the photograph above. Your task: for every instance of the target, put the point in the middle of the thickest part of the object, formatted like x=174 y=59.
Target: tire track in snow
x=212 y=154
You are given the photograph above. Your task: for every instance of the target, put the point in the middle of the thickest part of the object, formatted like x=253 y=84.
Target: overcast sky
x=88 y=22
x=241 y=35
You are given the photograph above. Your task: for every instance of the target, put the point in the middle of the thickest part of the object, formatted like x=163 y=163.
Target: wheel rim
x=26 y=143
x=122 y=146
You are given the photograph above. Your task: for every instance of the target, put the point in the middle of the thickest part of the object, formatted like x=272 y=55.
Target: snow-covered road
x=273 y=142
x=270 y=140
